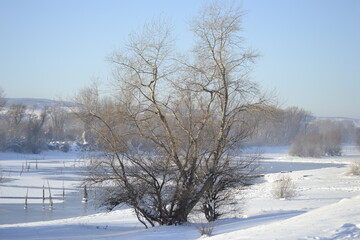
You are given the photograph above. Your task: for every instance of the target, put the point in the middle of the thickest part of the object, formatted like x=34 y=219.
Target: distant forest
x=33 y=125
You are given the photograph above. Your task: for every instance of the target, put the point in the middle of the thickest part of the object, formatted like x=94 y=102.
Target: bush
x=355 y=168
x=309 y=145
x=283 y=188
x=16 y=145
x=332 y=142
x=65 y=147
x=317 y=145
x=60 y=146
x=205 y=229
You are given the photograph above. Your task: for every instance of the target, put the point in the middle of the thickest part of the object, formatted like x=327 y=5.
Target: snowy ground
x=326 y=205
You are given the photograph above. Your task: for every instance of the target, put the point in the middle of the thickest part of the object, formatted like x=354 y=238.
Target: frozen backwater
x=62 y=172
x=71 y=207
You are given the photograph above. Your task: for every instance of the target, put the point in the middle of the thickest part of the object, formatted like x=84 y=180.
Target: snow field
x=325 y=206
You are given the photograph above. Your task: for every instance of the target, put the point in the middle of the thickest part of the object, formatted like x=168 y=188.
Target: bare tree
x=358 y=137
x=15 y=114
x=58 y=117
x=3 y=127
x=34 y=132
x=14 y=120
x=2 y=98
x=191 y=112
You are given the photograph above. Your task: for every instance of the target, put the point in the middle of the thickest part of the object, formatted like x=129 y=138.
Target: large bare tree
x=170 y=131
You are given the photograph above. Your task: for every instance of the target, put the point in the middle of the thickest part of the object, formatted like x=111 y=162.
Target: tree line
x=29 y=130
x=26 y=129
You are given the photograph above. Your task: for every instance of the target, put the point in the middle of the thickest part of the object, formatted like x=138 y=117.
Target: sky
x=310 y=49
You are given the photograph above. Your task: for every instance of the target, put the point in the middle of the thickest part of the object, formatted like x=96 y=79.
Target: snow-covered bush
x=283 y=187
x=355 y=168
x=205 y=229
x=61 y=146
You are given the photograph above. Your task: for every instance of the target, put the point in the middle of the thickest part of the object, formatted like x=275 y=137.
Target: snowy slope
x=340 y=220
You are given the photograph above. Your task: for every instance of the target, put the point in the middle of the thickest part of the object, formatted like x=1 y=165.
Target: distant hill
x=355 y=120
x=40 y=103
x=36 y=103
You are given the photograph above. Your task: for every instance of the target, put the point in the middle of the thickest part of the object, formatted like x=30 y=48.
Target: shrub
x=332 y=142
x=317 y=145
x=65 y=147
x=283 y=188
x=205 y=229
x=309 y=145
x=355 y=168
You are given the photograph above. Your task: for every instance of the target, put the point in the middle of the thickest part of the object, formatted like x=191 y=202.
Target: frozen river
x=276 y=167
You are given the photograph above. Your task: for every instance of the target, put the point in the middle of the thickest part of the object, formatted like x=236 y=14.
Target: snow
x=325 y=205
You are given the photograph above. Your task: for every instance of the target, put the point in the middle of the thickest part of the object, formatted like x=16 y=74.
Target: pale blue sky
x=310 y=48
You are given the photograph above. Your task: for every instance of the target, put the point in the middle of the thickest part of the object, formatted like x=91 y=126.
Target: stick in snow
x=50 y=198
x=43 y=196
x=26 y=199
